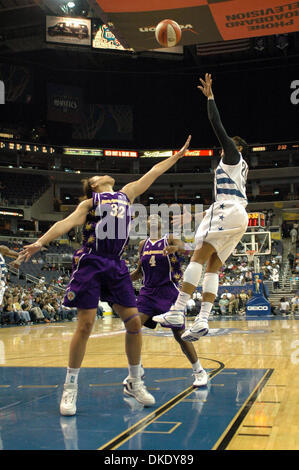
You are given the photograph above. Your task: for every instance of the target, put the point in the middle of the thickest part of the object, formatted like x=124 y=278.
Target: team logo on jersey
x=71 y=295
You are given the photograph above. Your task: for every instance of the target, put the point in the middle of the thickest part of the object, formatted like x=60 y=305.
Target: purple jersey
x=107 y=225
x=157 y=268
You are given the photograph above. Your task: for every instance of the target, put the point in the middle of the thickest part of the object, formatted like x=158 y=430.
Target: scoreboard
x=256 y=219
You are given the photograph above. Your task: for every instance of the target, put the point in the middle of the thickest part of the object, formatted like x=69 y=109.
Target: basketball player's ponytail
x=87 y=190
x=239 y=142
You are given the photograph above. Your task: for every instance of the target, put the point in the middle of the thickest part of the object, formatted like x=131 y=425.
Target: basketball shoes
x=200 y=378
x=68 y=400
x=136 y=388
x=171 y=319
x=199 y=327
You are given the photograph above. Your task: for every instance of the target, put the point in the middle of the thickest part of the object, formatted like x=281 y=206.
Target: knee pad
x=128 y=320
x=192 y=274
x=210 y=283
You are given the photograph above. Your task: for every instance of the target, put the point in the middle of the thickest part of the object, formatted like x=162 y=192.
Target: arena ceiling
x=22 y=34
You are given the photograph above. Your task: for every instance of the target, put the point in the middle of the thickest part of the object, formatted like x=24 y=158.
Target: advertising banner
x=64 y=103
x=103 y=37
x=201 y=21
x=64 y=30
x=258 y=305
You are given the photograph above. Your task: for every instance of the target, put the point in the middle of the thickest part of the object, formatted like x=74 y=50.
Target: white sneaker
x=68 y=400
x=136 y=388
x=201 y=378
x=200 y=327
x=171 y=319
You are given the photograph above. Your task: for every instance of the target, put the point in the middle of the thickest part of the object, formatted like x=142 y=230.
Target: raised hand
x=185 y=147
x=206 y=87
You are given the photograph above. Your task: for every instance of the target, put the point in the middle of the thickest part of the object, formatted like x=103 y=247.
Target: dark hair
x=240 y=142
x=87 y=189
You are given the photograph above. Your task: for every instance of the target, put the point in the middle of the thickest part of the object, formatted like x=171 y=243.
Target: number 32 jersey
x=107 y=226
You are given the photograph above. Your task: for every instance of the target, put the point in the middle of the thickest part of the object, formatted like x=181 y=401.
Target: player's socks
x=72 y=376
x=197 y=367
x=205 y=310
x=181 y=301
x=134 y=371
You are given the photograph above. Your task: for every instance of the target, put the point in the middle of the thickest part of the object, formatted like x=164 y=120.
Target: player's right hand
x=206 y=87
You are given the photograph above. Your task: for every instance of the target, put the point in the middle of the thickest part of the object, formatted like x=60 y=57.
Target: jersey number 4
x=152 y=261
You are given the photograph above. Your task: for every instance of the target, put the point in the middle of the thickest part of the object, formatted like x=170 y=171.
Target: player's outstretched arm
x=5 y=251
x=138 y=187
x=78 y=217
x=231 y=154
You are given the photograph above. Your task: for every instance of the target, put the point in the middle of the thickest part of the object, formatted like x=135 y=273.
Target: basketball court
x=102 y=87
x=250 y=401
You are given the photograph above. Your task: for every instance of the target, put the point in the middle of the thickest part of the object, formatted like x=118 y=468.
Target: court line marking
x=235 y=424
x=146 y=421
x=37 y=386
x=171 y=430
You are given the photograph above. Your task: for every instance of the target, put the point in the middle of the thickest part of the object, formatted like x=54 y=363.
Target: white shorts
x=222 y=227
x=2 y=291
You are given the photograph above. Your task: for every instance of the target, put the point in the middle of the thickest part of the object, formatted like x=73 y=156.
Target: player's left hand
x=185 y=147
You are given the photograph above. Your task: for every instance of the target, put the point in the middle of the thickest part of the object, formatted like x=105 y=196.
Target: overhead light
x=71 y=4
x=276 y=191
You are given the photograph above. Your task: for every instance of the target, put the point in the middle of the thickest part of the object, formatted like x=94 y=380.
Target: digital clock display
x=256 y=219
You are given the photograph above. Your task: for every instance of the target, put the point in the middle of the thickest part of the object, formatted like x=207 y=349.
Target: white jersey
x=230 y=182
x=3 y=268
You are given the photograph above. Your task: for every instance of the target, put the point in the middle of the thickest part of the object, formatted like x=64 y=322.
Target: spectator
x=284 y=306
x=293 y=234
x=37 y=312
x=24 y=314
x=295 y=303
x=275 y=279
x=291 y=259
x=243 y=300
x=9 y=312
x=233 y=304
x=223 y=304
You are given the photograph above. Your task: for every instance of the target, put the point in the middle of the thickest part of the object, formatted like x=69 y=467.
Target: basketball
x=168 y=33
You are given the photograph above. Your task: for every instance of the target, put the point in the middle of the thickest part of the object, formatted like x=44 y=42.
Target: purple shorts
x=97 y=278
x=155 y=301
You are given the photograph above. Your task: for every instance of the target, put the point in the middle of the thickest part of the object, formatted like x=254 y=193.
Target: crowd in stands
x=37 y=303
x=40 y=301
